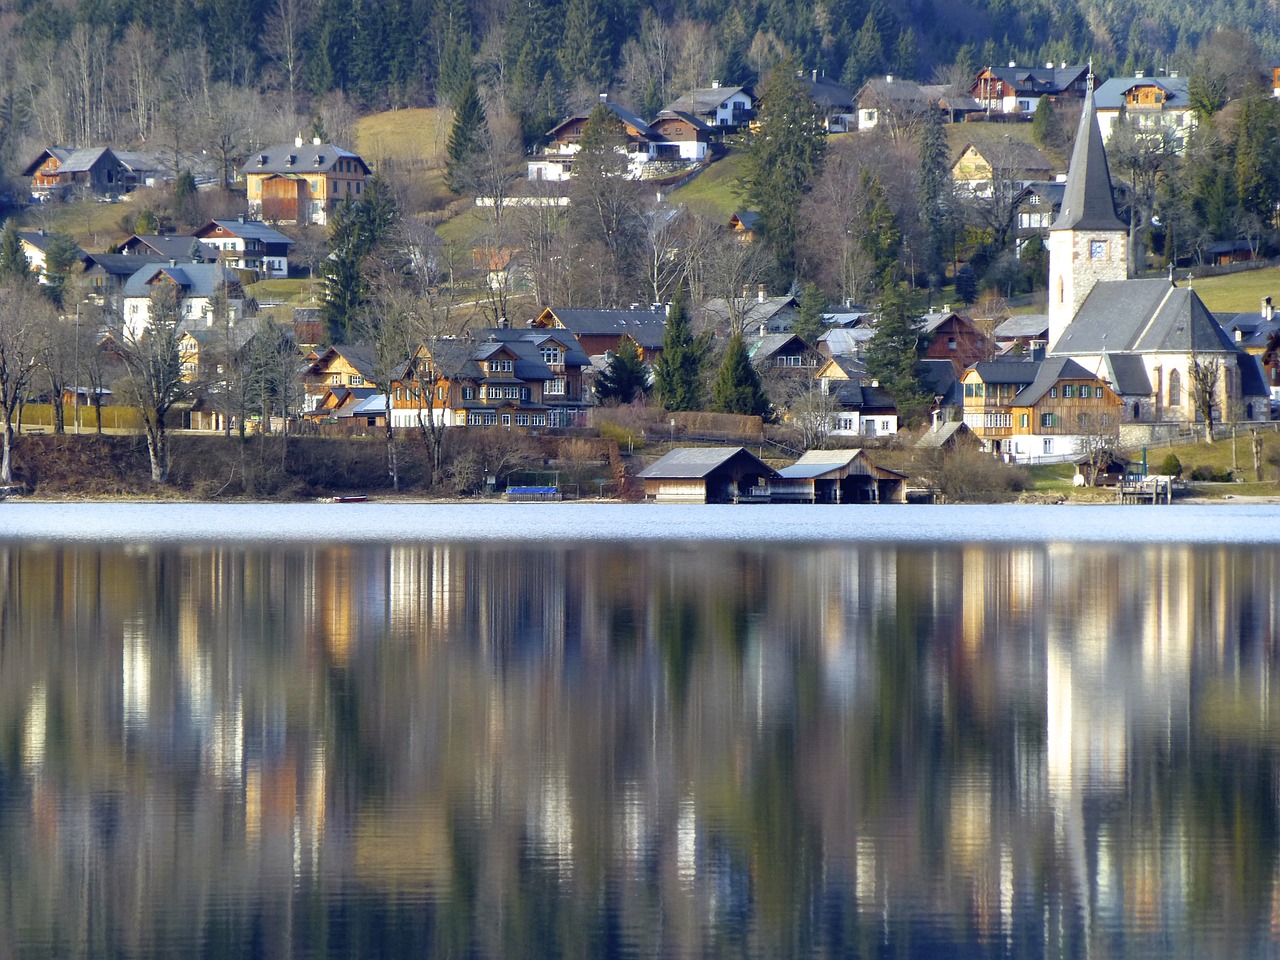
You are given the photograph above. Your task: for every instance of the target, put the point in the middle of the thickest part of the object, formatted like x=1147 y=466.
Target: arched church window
x=1175 y=389
x=1137 y=410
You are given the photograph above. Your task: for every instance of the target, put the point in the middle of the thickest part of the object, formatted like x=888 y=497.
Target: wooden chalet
x=1017 y=90
x=599 y=332
x=342 y=365
x=950 y=336
x=708 y=475
x=56 y=172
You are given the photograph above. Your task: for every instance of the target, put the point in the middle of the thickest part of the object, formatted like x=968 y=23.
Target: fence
x=38 y=416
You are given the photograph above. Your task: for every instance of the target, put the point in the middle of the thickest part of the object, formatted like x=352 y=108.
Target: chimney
x=314 y=140
x=1013 y=63
x=760 y=293
x=815 y=76
x=604 y=97
x=173 y=262
x=888 y=78
x=1037 y=350
x=667 y=307
x=715 y=84
x=1239 y=334
x=1267 y=310
x=1062 y=64
x=297 y=141
x=1173 y=74
x=241 y=218
x=1139 y=74
x=1049 y=65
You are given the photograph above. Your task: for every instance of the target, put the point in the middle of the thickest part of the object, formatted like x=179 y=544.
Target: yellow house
x=302 y=182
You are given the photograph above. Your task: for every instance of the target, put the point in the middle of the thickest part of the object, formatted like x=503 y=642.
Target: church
x=1153 y=342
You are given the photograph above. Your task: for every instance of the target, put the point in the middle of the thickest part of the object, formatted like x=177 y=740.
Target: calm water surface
x=605 y=731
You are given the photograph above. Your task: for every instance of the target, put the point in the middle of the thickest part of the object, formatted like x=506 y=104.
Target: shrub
x=970 y=475
x=1170 y=466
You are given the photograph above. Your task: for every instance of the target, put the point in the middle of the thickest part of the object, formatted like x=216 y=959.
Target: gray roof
x=1142 y=316
x=195 y=279
x=939 y=378
x=1050 y=191
x=120 y=264
x=772 y=343
x=1110 y=96
x=753 y=310
x=704 y=100
x=622 y=113
x=828 y=94
x=40 y=239
x=1039 y=80
x=1019 y=372
x=893 y=90
x=846 y=342
x=1023 y=325
x=292 y=158
x=940 y=434
x=1253 y=329
x=692 y=463
x=820 y=463
x=171 y=246
x=1087 y=202
x=1127 y=374
x=1253 y=379
x=573 y=353
x=1050 y=371
x=1012 y=155
x=645 y=327
x=250 y=230
x=528 y=363
x=750 y=219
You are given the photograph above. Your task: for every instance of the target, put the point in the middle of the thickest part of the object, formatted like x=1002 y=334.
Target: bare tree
x=1099 y=440
x=283 y=38
x=155 y=382
x=57 y=358
x=1206 y=377
x=25 y=315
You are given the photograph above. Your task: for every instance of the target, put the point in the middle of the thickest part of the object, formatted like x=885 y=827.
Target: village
x=1119 y=359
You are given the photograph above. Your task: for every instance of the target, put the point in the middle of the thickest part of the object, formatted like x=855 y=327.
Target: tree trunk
x=158 y=451
x=6 y=458
x=393 y=466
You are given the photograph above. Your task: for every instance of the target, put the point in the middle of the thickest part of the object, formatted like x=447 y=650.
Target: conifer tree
x=1045 y=130
x=678 y=371
x=586 y=53
x=465 y=137
x=933 y=195
x=624 y=378
x=866 y=59
x=808 y=325
x=737 y=388
x=13 y=262
x=893 y=351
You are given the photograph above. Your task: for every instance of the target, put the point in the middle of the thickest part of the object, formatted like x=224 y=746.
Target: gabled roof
x=1049 y=191
x=1050 y=371
x=1018 y=372
x=169 y=246
x=1039 y=80
x=774 y=343
x=1087 y=201
x=746 y=219
x=1253 y=379
x=892 y=91
x=195 y=279
x=1127 y=374
x=939 y=378
x=139 y=162
x=815 y=464
x=828 y=94
x=528 y=363
x=622 y=113
x=40 y=239
x=574 y=356
x=645 y=327
x=120 y=264
x=1142 y=316
x=358 y=355
x=1009 y=155
x=947 y=431
x=753 y=310
x=1021 y=326
x=245 y=230
x=692 y=463
x=298 y=158
x=70 y=159
x=697 y=123
x=705 y=99
x=1111 y=95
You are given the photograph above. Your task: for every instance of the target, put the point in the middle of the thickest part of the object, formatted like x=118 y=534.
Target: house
x=682 y=137
x=342 y=365
x=599 y=332
x=199 y=287
x=949 y=336
x=745 y=224
x=56 y=172
x=1274 y=69
x=526 y=379
x=1004 y=166
x=716 y=106
x=845 y=341
x=303 y=182
x=784 y=353
x=644 y=146
x=1037 y=410
x=861 y=408
x=890 y=102
x=1107 y=470
x=708 y=475
x=35 y=247
x=1019 y=332
x=1035 y=208
x=837 y=476
x=170 y=246
x=1149 y=338
x=756 y=316
x=837 y=105
x=948 y=435
x=248 y=245
x=1152 y=105
x=1017 y=90
x=204 y=350
x=1258 y=334
x=105 y=274
x=941 y=381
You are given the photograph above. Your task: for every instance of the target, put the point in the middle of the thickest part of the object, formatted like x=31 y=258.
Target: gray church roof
x=1142 y=316
x=1127 y=374
x=1087 y=202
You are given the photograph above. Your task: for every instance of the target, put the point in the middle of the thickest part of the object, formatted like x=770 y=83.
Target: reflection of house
x=601 y=331
x=302 y=182
x=1150 y=104
x=1015 y=89
x=716 y=106
x=837 y=476
x=248 y=244
x=1032 y=409
x=708 y=475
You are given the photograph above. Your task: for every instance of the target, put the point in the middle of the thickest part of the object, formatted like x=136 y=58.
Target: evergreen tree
x=808 y=325
x=881 y=237
x=465 y=137
x=59 y=257
x=933 y=194
x=892 y=353
x=625 y=377
x=358 y=229
x=866 y=59
x=966 y=284
x=13 y=262
x=452 y=34
x=1045 y=130
x=906 y=55
x=678 y=371
x=783 y=158
x=586 y=52
x=737 y=388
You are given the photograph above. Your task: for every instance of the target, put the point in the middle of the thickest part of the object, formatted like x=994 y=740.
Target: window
x=539 y=419
x=501 y=366
x=439 y=393
x=1048 y=419
x=552 y=355
x=398 y=397
x=951 y=343
x=506 y=419
x=1053 y=393
x=556 y=386
x=1024 y=420
x=522 y=419
x=1086 y=392
x=1068 y=391
x=490 y=419
x=468 y=393
x=1048 y=445
x=335 y=379
x=1175 y=389
x=357 y=380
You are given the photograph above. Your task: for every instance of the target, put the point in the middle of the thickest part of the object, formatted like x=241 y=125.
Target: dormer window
x=262 y=159
x=319 y=159
x=290 y=160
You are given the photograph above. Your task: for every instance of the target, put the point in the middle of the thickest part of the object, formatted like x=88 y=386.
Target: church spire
x=1087 y=202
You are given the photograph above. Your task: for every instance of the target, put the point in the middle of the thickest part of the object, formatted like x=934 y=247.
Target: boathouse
x=837 y=476
x=708 y=475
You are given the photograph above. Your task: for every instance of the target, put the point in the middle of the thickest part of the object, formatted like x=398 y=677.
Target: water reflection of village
x=683 y=750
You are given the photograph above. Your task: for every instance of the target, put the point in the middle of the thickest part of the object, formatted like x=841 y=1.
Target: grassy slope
x=716 y=192
x=416 y=136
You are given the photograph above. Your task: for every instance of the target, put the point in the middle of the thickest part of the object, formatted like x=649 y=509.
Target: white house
x=1150 y=103
x=198 y=285
x=248 y=244
x=716 y=106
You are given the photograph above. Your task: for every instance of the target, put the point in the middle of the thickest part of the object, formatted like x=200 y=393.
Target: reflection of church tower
x=1087 y=241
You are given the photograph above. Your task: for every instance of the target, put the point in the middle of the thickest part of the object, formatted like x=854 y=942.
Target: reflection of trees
x=511 y=751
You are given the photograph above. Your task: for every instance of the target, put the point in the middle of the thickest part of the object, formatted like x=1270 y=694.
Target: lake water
x=639 y=731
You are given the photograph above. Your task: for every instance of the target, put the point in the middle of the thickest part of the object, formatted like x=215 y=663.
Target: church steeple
x=1087 y=201
x=1087 y=243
